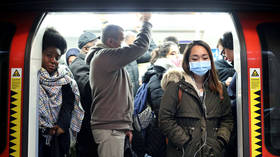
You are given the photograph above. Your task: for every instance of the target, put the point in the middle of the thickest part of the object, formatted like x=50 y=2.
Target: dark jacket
x=85 y=143
x=59 y=145
x=132 y=68
x=192 y=122
x=232 y=91
x=224 y=69
x=111 y=88
x=154 y=89
x=152 y=142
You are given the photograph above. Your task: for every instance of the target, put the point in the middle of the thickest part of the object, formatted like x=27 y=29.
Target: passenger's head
x=167 y=50
x=171 y=38
x=198 y=61
x=129 y=37
x=86 y=41
x=112 y=36
x=71 y=55
x=221 y=48
x=227 y=43
x=54 y=45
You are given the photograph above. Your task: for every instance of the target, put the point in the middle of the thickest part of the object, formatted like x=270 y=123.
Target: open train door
x=258 y=104
x=16 y=35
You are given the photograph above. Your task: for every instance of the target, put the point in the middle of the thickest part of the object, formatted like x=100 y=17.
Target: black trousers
x=59 y=145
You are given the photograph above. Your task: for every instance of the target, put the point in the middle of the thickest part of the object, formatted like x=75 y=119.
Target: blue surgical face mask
x=200 y=68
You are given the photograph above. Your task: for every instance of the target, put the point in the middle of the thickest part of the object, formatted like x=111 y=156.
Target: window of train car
x=7 y=31
x=270 y=38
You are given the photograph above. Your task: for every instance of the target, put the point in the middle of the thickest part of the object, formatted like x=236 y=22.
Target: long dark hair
x=214 y=83
x=161 y=51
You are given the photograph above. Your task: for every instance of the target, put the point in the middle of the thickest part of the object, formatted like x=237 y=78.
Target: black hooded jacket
x=153 y=76
x=85 y=142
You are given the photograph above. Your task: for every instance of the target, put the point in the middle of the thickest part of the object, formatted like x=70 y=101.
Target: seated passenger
x=60 y=112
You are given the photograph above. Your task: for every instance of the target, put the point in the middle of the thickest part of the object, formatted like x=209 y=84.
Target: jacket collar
x=176 y=75
x=82 y=56
x=90 y=55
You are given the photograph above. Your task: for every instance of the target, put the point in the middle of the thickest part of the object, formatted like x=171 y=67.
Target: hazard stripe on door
x=255 y=109
x=15 y=112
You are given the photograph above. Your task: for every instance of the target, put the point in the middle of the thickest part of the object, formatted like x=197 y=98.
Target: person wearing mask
x=225 y=66
x=60 y=112
x=85 y=145
x=161 y=61
x=178 y=59
x=197 y=122
x=112 y=104
x=132 y=68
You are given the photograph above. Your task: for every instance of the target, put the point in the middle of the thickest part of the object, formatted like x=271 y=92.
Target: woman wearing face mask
x=161 y=61
x=195 y=112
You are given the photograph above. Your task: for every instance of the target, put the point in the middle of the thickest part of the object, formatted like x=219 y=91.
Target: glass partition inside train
x=270 y=38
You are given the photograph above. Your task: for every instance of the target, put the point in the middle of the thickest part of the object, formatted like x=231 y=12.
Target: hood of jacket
x=165 y=63
x=175 y=75
x=90 y=55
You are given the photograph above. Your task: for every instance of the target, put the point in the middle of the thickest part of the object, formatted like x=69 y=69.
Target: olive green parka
x=194 y=126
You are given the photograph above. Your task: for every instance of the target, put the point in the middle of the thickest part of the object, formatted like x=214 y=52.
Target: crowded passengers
x=87 y=106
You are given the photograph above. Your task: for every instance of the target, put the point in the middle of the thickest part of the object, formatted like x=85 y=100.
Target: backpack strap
x=180 y=95
x=179 y=98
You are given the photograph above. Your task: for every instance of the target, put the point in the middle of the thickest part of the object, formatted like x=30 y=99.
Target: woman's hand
x=56 y=130
x=130 y=135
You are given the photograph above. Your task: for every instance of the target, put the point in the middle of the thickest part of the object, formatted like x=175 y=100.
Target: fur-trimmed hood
x=175 y=75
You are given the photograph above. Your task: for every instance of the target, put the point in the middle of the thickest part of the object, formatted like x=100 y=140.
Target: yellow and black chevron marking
x=15 y=116
x=256 y=125
x=255 y=108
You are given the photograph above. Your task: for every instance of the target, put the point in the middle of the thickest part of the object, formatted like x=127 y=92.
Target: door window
x=270 y=42
x=7 y=31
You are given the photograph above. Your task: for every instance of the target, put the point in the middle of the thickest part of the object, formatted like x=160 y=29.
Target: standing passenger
x=112 y=106
x=85 y=147
x=178 y=59
x=71 y=55
x=225 y=66
x=197 y=122
x=161 y=61
x=86 y=41
x=60 y=113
